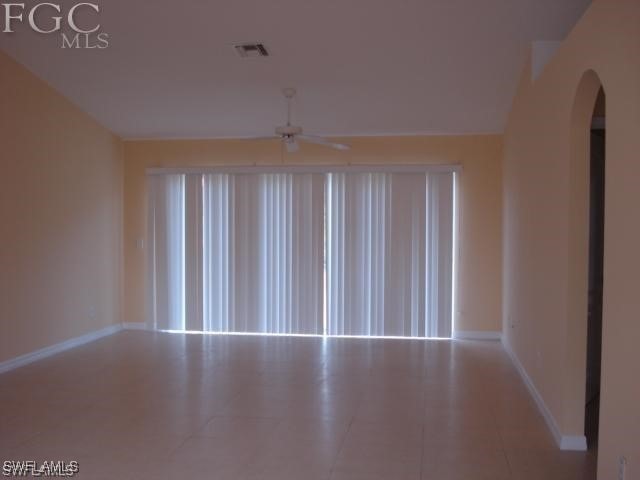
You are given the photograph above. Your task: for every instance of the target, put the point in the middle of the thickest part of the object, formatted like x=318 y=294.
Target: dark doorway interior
x=596 y=264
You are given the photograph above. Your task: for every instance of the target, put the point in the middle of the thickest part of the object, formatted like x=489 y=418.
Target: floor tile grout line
x=506 y=458
x=342 y=442
x=422 y=451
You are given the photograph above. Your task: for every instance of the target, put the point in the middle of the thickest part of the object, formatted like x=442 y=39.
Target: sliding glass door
x=366 y=253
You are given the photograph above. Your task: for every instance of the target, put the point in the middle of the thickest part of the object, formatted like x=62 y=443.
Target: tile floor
x=142 y=405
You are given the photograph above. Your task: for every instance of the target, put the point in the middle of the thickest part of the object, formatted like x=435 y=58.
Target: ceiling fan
x=291 y=134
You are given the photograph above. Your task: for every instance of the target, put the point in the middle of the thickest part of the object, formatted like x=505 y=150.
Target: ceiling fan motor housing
x=288 y=131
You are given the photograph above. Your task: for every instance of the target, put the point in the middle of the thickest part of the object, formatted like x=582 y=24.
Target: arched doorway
x=586 y=258
x=596 y=269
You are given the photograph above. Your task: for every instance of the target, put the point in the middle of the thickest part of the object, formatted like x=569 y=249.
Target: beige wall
x=60 y=217
x=546 y=225
x=481 y=191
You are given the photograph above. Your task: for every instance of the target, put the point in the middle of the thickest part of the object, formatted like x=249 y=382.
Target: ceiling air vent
x=251 y=50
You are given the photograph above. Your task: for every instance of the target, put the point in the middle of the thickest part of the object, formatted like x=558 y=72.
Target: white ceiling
x=361 y=67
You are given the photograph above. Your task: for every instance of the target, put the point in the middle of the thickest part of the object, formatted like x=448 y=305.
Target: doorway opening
x=596 y=270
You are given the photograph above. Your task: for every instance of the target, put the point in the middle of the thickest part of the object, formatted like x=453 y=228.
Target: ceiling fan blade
x=323 y=141
x=270 y=137
x=291 y=145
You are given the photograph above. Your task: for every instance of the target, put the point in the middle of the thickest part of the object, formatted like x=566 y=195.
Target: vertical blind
x=389 y=254
x=345 y=253
x=166 y=262
x=376 y=254
x=263 y=253
x=439 y=253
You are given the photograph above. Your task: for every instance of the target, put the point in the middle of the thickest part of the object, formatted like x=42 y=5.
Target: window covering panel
x=389 y=253
x=343 y=253
x=263 y=238
x=166 y=247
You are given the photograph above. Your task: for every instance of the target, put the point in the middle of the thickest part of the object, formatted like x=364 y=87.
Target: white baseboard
x=135 y=326
x=479 y=335
x=565 y=442
x=575 y=443
x=57 y=348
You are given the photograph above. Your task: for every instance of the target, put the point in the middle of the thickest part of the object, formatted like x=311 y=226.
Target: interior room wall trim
x=565 y=442
x=476 y=335
x=31 y=357
x=135 y=326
